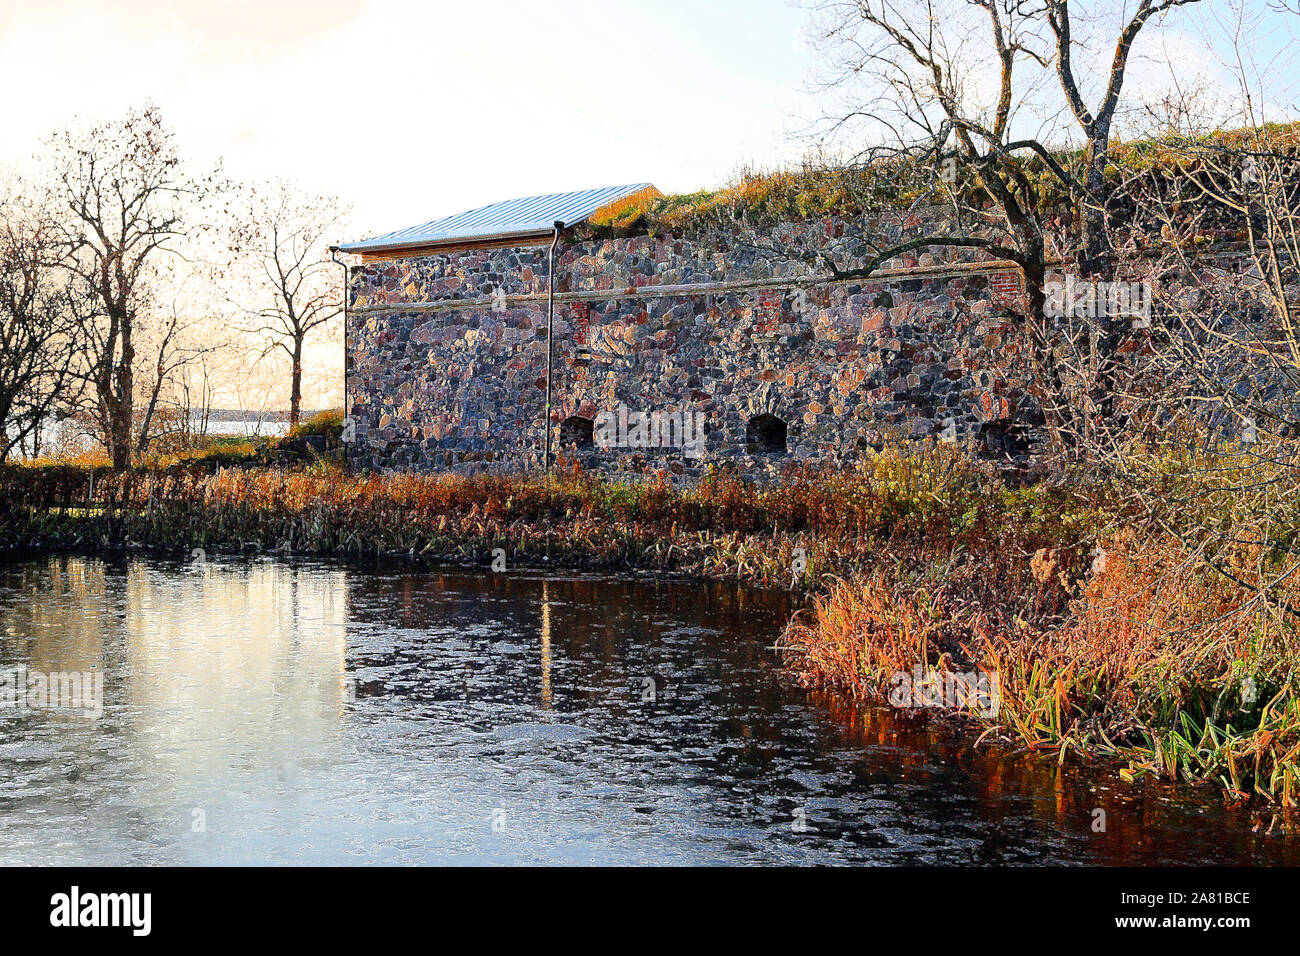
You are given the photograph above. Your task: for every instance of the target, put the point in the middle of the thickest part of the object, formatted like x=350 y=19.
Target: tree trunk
x=120 y=434
x=295 y=386
x=1046 y=372
x=1091 y=258
x=121 y=402
x=1094 y=264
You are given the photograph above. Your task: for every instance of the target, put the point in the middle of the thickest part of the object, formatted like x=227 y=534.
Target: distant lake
x=247 y=428
x=251 y=429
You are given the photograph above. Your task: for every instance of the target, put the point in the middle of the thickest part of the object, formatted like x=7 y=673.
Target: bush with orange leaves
x=1183 y=668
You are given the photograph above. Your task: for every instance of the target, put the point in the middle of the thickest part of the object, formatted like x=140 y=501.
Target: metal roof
x=514 y=217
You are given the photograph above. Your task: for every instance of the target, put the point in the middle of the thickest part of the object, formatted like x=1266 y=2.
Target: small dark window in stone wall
x=576 y=432
x=765 y=435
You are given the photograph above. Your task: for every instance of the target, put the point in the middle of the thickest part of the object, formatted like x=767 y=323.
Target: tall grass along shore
x=1104 y=628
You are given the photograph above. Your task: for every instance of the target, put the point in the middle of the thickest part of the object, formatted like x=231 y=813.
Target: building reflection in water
x=546 y=645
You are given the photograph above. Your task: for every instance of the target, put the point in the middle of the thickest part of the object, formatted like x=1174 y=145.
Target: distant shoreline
x=240 y=415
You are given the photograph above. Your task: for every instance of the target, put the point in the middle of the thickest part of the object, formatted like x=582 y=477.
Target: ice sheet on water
x=544 y=733
x=396 y=730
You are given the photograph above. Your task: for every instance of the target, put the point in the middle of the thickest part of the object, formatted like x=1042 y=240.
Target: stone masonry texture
x=447 y=352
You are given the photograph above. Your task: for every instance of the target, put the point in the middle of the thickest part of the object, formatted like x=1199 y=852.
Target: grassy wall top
x=816 y=191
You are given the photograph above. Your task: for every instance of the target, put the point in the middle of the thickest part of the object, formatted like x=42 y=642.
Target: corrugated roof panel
x=531 y=214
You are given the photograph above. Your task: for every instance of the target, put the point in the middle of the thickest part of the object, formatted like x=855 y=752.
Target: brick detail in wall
x=767 y=314
x=996 y=407
x=1005 y=288
x=581 y=317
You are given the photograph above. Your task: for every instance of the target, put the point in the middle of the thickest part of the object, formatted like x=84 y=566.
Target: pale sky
x=413 y=111
x=410 y=111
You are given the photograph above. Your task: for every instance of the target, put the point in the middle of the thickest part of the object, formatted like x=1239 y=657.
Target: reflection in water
x=546 y=645
x=269 y=712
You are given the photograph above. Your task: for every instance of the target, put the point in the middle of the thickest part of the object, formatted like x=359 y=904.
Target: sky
x=413 y=111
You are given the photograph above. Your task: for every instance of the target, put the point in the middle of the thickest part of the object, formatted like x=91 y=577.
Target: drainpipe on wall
x=334 y=256
x=550 y=337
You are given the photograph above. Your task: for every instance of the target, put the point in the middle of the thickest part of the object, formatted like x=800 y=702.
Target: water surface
x=262 y=712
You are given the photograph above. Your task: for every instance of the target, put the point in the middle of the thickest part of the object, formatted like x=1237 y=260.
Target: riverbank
x=790 y=534
x=1105 y=634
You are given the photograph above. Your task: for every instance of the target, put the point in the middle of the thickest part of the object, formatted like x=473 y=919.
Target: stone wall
x=447 y=353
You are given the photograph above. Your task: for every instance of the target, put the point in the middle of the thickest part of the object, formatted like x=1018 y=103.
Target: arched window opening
x=765 y=435
x=576 y=432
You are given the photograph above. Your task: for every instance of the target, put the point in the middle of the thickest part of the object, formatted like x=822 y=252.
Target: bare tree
x=195 y=398
x=254 y=385
x=37 y=327
x=283 y=234
x=1012 y=195
x=179 y=343
x=1214 y=409
x=125 y=195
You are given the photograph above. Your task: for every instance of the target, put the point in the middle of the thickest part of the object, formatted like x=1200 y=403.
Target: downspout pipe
x=550 y=337
x=334 y=257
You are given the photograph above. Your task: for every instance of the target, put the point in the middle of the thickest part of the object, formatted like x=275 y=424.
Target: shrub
x=328 y=423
